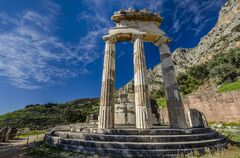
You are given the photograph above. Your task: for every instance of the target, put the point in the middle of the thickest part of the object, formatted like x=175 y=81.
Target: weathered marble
x=175 y=107
x=125 y=105
x=106 y=114
x=142 y=101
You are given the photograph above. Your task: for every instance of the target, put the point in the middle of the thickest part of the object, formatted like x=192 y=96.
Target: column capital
x=162 y=40
x=110 y=38
x=137 y=36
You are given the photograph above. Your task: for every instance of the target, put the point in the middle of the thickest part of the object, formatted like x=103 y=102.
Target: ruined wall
x=125 y=106
x=217 y=107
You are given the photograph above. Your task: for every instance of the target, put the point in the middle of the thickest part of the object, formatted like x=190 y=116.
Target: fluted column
x=175 y=107
x=106 y=112
x=142 y=102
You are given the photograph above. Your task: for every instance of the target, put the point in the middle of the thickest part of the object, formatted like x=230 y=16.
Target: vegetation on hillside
x=222 y=68
x=38 y=117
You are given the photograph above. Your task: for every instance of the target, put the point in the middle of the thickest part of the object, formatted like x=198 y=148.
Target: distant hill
x=49 y=115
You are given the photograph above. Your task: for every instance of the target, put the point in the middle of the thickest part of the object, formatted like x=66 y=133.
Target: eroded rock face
x=221 y=38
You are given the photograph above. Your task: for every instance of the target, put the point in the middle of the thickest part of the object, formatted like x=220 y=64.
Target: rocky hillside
x=224 y=36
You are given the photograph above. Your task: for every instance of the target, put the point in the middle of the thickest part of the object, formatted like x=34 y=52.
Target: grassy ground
x=229 y=87
x=230 y=152
x=233 y=150
x=41 y=150
x=31 y=133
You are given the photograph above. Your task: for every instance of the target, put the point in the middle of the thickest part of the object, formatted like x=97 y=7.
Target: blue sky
x=52 y=50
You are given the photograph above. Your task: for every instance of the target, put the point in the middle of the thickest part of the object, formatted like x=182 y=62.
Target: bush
x=73 y=116
x=193 y=78
x=158 y=94
x=223 y=73
x=222 y=68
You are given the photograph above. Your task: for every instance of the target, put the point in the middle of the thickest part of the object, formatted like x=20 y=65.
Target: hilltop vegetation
x=49 y=115
x=222 y=68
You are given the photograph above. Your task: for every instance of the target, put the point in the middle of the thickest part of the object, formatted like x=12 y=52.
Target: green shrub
x=192 y=78
x=225 y=67
x=161 y=102
x=223 y=73
x=158 y=94
x=222 y=68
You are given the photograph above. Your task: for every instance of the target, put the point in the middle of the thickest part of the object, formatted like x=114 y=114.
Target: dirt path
x=15 y=148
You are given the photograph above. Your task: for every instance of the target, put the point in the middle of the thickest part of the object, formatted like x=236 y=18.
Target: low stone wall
x=217 y=107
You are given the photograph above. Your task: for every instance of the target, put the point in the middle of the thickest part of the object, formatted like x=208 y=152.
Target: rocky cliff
x=224 y=36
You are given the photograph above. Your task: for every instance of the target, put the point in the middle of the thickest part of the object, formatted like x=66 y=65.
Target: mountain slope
x=225 y=35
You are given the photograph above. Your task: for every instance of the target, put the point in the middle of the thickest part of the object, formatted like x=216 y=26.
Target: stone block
x=196 y=119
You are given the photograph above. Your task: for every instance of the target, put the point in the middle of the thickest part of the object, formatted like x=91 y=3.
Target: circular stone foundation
x=156 y=142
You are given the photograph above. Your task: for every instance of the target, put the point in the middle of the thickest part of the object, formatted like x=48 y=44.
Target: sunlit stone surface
x=139 y=27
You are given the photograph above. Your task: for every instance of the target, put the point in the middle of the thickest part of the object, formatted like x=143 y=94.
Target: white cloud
x=195 y=14
x=184 y=14
x=31 y=56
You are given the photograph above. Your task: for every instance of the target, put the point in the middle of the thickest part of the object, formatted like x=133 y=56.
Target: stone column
x=142 y=101
x=175 y=107
x=106 y=112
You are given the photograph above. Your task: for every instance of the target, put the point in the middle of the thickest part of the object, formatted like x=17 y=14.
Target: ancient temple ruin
x=139 y=27
x=104 y=139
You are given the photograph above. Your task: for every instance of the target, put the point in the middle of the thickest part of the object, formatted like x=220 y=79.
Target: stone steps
x=140 y=145
x=137 y=143
x=137 y=138
x=110 y=152
x=159 y=131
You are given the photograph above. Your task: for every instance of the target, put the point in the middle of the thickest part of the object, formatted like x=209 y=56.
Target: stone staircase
x=161 y=142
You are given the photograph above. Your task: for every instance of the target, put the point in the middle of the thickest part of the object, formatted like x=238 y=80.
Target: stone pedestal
x=142 y=101
x=106 y=113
